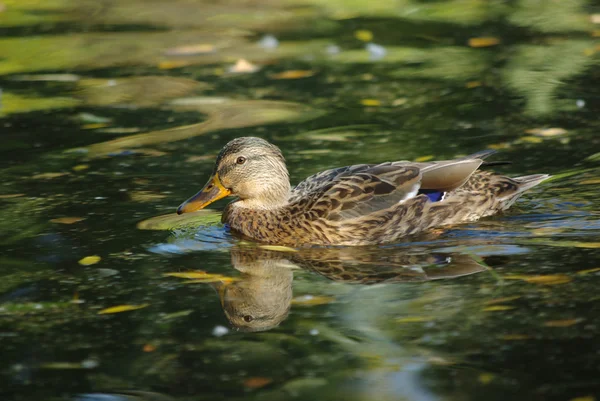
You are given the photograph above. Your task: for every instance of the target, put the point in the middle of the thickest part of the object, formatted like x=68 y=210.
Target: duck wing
x=355 y=191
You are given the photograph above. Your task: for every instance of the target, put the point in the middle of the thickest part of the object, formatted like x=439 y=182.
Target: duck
x=363 y=204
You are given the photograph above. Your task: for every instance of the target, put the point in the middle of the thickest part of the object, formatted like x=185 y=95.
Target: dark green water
x=112 y=114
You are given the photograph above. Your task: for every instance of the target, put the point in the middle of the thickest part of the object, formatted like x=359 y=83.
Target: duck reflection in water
x=260 y=298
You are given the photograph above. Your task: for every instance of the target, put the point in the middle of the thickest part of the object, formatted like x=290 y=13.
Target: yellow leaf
x=149 y=348
x=514 y=337
x=94 y=125
x=243 y=66
x=171 y=64
x=370 y=102
x=548 y=132
x=311 y=300
x=190 y=275
x=586 y=398
x=67 y=220
x=588 y=271
x=548 y=279
x=48 y=176
x=191 y=50
x=216 y=279
x=90 y=260
x=495 y=308
x=414 y=319
x=121 y=308
x=81 y=167
x=499 y=146
x=486 y=378
x=562 y=323
x=473 y=84
x=590 y=182
x=363 y=35
x=502 y=300
x=293 y=74
x=256 y=382
x=531 y=139
x=278 y=248
x=9 y=196
x=424 y=158
x=484 y=42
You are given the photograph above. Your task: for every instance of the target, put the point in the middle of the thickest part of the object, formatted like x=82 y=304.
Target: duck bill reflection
x=212 y=191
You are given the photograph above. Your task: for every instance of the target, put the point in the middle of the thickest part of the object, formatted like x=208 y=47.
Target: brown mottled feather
x=367 y=203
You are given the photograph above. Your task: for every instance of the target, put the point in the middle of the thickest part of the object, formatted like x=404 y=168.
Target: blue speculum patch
x=432 y=194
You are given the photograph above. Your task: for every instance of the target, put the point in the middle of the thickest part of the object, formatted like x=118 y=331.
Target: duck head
x=250 y=168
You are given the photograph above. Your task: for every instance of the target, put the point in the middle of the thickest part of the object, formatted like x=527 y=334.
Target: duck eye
x=240 y=160
x=248 y=318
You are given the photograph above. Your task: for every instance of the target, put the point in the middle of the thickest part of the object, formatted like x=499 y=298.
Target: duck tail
x=523 y=183
x=530 y=181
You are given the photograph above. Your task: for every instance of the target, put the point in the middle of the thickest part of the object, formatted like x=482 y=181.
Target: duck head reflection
x=260 y=298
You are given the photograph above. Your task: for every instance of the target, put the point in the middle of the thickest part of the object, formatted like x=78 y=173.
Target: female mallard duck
x=354 y=205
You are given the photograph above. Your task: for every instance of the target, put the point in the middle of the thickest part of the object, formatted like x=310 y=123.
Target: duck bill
x=212 y=191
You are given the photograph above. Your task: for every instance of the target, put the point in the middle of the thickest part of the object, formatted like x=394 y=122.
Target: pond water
x=112 y=114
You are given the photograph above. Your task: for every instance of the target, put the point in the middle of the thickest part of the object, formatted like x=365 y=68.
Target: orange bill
x=212 y=191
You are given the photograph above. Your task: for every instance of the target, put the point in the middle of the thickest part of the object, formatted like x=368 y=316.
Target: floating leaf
x=121 y=308
x=424 y=158
x=215 y=278
x=370 y=102
x=201 y=277
x=173 y=221
x=548 y=279
x=190 y=275
x=414 y=319
x=94 y=126
x=500 y=146
x=590 y=182
x=67 y=220
x=149 y=348
x=257 y=382
x=547 y=132
x=514 y=337
x=486 y=378
x=81 y=167
x=243 y=66
x=484 y=42
x=502 y=300
x=531 y=139
x=293 y=74
x=171 y=64
x=562 y=323
x=363 y=35
x=586 y=398
x=495 y=308
x=90 y=118
x=48 y=176
x=10 y=196
x=473 y=84
x=588 y=271
x=190 y=50
x=278 y=248
x=90 y=260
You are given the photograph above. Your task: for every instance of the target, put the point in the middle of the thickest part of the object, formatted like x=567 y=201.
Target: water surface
x=112 y=114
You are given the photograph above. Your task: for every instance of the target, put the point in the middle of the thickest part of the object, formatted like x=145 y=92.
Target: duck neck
x=275 y=194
